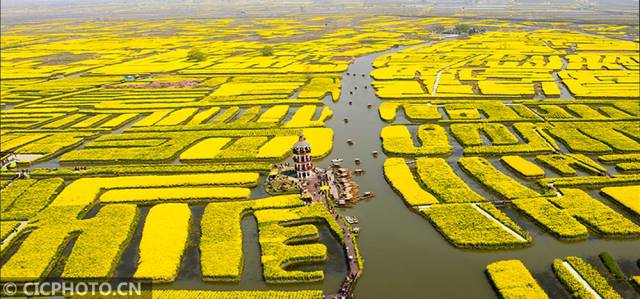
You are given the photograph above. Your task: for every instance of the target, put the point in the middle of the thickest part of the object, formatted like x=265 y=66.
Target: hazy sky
x=595 y=10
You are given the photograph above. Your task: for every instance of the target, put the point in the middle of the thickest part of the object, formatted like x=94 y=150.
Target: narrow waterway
x=405 y=257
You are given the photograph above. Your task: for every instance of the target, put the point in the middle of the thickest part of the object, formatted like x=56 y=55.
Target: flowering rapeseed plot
x=511 y=64
x=163 y=242
x=593 y=278
x=556 y=221
x=626 y=196
x=494 y=179
x=277 y=242
x=180 y=294
x=221 y=241
x=401 y=179
x=513 y=280
x=397 y=139
x=465 y=226
x=598 y=216
x=440 y=179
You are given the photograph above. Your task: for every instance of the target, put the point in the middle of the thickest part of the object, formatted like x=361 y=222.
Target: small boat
x=355 y=87
x=351 y=220
x=374 y=153
x=363 y=75
x=359 y=171
x=337 y=160
x=365 y=87
x=357 y=161
x=354 y=75
x=369 y=106
x=349 y=142
x=367 y=194
x=346 y=120
x=347 y=73
x=350 y=102
x=351 y=92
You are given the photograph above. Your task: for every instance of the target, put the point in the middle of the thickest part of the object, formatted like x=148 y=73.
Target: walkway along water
x=313 y=187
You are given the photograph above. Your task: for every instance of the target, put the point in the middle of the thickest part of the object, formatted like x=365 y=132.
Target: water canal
x=405 y=257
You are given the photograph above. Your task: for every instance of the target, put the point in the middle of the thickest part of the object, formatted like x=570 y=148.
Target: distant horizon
x=603 y=11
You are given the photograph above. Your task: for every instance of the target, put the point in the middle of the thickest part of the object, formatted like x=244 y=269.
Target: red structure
x=302 y=158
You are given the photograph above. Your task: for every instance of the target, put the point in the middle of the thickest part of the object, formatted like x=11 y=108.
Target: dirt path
x=584 y=283
x=506 y=228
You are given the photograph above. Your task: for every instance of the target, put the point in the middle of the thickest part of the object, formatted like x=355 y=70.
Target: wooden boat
x=367 y=195
x=351 y=220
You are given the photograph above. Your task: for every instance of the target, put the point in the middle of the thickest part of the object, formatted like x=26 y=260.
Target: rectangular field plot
x=479 y=226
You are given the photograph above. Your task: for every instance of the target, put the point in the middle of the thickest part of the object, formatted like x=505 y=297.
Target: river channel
x=405 y=257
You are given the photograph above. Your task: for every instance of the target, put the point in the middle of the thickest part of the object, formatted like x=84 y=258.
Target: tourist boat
x=349 y=142
x=367 y=194
x=355 y=230
x=351 y=220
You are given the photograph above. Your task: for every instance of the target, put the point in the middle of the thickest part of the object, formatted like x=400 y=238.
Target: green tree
x=462 y=28
x=267 y=51
x=196 y=55
x=438 y=28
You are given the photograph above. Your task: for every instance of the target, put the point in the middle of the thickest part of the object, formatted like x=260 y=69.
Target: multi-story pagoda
x=302 y=158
